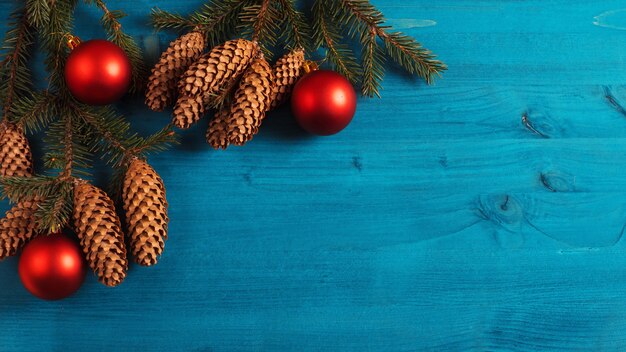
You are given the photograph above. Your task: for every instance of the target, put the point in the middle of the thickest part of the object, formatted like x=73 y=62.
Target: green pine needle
x=373 y=60
x=34 y=111
x=18 y=189
x=340 y=56
x=15 y=77
x=218 y=20
x=38 y=12
x=261 y=23
x=297 y=32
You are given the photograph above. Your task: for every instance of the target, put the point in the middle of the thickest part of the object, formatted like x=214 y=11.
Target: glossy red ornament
x=323 y=102
x=52 y=267
x=98 y=72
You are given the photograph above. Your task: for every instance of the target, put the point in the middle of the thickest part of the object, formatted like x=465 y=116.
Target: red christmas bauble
x=52 y=267
x=323 y=102
x=98 y=72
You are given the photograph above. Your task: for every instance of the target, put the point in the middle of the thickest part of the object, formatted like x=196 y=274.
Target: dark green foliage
x=19 y=188
x=365 y=21
x=340 y=56
x=75 y=133
x=53 y=36
x=54 y=212
x=109 y=134
x=261 y=23
x=295 y=27
x=34 y=111
x=38 y=12
x=54 y=198
x=15 y=78
x=412 y=56
x=373 y=60
x=217 y=19
x=337 y=25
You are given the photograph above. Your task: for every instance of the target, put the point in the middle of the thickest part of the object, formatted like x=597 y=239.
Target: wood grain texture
x=484 y=213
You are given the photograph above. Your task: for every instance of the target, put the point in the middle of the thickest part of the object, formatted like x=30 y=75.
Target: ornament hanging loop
x=310 y=66
x=72 y=41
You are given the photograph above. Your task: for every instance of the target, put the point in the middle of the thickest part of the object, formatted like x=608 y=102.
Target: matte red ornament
x=52 y=267
x=98 y=72
x=323 y=102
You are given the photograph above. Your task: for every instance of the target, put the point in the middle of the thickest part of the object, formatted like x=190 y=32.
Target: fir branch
x=216 y=19
x=38 y=12
x=64 y=150
x=261 y=23
x=54 y=40
x=111 y=22
x=34 y=111
x=157 y=142
x=340 y=55
x=410 y=54
x=107 y=133
x=296 y=28
x=373 y=64
x=54 y=211
x=162 y=19
x=18 y=189
x=53 y=192
x=68 y=143
x=360 y=16
x=15 y=78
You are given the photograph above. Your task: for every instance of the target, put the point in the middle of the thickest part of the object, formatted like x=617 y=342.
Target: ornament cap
x=310 y=66
x=73 y=41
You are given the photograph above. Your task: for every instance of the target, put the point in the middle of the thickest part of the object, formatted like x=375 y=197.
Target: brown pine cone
x=17 y=227
x=99 y=230
x=208 y=74
x=181 y=53
x=146 y=212
x=250 y=103
x=15 y=156
x=188 y=110
x=287 y=70
x=217 y=133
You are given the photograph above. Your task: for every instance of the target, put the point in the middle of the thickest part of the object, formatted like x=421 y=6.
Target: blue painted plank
x=484 y=213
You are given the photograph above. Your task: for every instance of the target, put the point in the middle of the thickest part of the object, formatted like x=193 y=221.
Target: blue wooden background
x=483 y=213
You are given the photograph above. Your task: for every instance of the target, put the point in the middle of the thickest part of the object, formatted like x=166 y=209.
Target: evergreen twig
x=21 y=188
x=38 y=12
x=53 y=36
x=74 y=132
x=373 y=63
x=261 y=22
x=34 y=111
x=216 y=19
x=15 y=76
x=338 y=54
x=363 y=19
x=333 y=23
x=296 y=28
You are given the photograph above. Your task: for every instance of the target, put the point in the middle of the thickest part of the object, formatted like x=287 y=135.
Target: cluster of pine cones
x=197 y=82
x=95 y=220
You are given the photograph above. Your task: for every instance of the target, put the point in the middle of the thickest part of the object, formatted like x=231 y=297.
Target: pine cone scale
x=250 y=103
x=287 y=70
x=15 y=155
x=204 y=79
x=17 y=227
